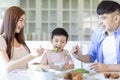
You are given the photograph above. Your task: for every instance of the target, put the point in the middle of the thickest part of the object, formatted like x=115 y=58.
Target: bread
x=78 y=76
x=107 y=75
x=112 y=75
x=68 y=75
x=36 y=63
x=73 y=76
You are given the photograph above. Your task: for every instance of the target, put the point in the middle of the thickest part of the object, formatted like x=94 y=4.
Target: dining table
x=24 y=74
x=18 y=74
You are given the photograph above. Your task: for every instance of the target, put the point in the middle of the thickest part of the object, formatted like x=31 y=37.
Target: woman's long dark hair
x=10 y=20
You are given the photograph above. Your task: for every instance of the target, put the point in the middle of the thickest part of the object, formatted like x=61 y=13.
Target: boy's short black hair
x=59 y=31
x=107 y=6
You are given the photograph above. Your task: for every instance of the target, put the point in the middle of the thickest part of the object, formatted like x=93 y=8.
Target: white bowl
x=38 y=75
x=34 y=67
x=44 y=75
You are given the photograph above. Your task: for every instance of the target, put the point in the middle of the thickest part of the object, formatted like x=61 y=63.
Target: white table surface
x=19 y=74
x=23 y=74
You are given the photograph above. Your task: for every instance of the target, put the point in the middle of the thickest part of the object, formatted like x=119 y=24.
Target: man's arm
x=98 y=67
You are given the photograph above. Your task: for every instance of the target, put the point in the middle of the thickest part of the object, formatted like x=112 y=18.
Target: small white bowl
x=44 y=75
x=39 y=75
x=34 y=67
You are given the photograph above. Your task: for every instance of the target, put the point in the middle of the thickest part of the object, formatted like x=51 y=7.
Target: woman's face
x=20 y=24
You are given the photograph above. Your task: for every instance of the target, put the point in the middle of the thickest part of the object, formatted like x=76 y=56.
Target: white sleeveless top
x=18 y=52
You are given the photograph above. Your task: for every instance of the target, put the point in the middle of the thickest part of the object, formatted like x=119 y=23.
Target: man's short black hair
x=58 y=32
x=107 y=6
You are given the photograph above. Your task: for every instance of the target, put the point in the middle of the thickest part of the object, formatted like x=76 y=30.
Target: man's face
x=107 y=22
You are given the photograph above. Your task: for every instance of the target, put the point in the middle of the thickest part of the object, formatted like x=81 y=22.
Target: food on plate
x=68 y=75
x=112 y=75
x=81 y=70
x=36 y=63
x=107 y=75
x=73 y=76
x=65 y=54
x=77 y=76
x=41 y=70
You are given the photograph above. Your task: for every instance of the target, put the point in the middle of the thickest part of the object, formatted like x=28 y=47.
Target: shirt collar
x=117 y=31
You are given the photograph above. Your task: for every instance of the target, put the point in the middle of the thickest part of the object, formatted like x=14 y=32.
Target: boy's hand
x=55 y=67
x=68 y=66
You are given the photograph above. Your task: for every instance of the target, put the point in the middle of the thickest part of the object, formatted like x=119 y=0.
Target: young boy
x=58 y=58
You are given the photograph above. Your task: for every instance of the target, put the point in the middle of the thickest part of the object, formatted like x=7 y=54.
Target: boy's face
x=108 y=22
x=59 y=42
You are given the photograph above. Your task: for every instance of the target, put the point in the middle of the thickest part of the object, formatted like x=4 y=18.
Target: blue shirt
x=96 y=50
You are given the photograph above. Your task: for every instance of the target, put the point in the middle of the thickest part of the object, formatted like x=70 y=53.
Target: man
x=105 y=47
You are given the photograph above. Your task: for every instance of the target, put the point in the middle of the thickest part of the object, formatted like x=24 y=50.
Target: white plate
x=19 y=72
x=99 y=76
x=58 y=72
x=88 y=76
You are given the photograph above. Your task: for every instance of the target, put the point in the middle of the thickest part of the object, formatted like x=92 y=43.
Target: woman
x=14 y=53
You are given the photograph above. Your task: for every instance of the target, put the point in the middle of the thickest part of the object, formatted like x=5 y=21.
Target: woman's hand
x=37 y=52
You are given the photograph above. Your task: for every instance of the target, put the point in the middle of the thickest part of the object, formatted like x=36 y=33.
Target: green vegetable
x=81 y=70
x=55 y=50
x=65 y=55
x=41 y=70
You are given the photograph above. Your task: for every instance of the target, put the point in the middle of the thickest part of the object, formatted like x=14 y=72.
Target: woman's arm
x=8 y=65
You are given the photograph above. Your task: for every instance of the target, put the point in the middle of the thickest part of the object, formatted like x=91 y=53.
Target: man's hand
x=76 y=51
x=98 y=67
